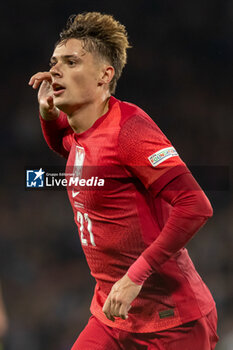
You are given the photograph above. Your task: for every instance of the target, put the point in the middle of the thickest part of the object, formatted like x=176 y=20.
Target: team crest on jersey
x=78 y=165
x=78 y=161
x=162 y=155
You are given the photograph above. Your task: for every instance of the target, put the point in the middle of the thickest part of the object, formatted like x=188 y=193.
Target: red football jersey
x=119 y=159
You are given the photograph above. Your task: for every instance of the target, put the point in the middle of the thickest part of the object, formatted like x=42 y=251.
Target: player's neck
x=85 y=116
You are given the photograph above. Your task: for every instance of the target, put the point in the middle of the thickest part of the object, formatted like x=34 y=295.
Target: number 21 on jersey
x=85 y=224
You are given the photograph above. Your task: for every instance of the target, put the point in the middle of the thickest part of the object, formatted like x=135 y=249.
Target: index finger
x=106 y=309
x=37 y=78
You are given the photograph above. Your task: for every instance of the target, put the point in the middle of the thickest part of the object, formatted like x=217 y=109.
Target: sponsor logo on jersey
x=162 y=155
x=166 y=313
x=74 y=194
x=35 y=178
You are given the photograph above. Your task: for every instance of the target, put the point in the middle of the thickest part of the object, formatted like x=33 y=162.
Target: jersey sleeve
x=147 y=153
x=190 y=210
x=58 y=134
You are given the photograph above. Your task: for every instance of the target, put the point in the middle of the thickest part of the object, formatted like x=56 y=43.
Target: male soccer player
x=133 y=230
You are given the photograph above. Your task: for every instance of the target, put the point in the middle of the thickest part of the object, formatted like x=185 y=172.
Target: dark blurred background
x=180 y=72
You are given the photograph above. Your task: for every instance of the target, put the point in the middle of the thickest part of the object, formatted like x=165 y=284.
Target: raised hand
x=43 y=80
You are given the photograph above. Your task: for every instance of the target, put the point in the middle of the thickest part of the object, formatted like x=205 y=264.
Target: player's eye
x=71 y=63
x=52 y=64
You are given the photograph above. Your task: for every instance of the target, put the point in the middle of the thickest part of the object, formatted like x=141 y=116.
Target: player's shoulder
x=129 y=110
x=135 y=120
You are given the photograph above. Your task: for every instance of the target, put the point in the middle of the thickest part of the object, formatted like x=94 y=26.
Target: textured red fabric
x=191 y=209
x=139 y=271
x=118 y=222
x=57 y=133
x=200 y=334
x=139 y=139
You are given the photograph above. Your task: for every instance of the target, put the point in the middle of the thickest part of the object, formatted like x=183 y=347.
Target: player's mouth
x=57 y=89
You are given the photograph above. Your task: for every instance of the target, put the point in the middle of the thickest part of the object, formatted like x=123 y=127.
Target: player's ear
x=106 y=75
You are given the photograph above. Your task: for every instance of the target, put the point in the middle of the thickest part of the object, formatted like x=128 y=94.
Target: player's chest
x=94 y=174
x=92 y=159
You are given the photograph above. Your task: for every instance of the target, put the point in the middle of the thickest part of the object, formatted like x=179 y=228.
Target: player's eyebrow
x=64 y=57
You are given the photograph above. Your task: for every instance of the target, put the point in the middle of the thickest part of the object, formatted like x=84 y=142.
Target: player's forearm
x=53 y=131
x=191 y=209
x=177 y=232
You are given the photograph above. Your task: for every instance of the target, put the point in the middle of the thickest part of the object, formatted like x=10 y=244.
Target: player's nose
x=56 y=71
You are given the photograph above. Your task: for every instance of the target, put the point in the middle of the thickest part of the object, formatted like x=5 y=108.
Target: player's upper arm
x=147 y=153
x=67 y=139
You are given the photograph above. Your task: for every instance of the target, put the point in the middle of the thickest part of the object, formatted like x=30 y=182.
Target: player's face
x=76 y=76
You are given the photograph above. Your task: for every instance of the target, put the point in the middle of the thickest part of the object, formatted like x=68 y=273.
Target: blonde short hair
x=101 y=34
